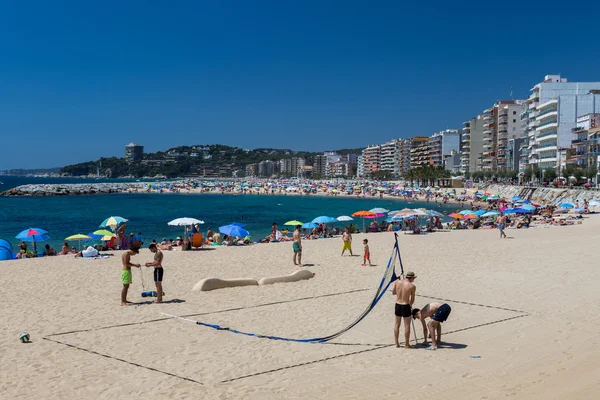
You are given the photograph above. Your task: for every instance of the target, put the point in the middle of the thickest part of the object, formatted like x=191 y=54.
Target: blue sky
x=79 y=80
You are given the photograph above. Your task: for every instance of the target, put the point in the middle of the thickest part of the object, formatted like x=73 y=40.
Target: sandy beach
x=522 y=323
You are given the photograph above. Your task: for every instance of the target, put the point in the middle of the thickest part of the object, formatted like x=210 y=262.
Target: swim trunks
x=442 y=313
x=501 y=226
x=403 y=310
x=367 y=256
x=297 y=248
x=158 y=274
x=347 y=246
x=126 y=277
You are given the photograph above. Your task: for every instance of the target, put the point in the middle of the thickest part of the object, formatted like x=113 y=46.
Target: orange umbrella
x=471 y=216
x=456 y=215
x=364 y=214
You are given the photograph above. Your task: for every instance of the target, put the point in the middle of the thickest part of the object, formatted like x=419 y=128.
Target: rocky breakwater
x=545 y=195
x=73 y=189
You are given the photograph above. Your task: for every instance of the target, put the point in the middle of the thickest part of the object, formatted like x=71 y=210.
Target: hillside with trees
x=181 y=161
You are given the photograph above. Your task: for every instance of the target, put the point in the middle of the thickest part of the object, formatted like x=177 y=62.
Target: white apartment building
x=472 y=145
x=404 y=155
x=389 y=157
x=360 y=166
x=371 y=159
x=441 y=145
x=552 y=111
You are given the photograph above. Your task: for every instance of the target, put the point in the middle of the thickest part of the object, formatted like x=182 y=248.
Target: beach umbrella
x=323 y=219
x=343 y=218
x=233 y=230
x=567 y=205
x=465 y=212
x=433 y=213
x=528 y=207
x=456 y=215
x=293 y=223
x=185 y=221
x=490 y=214
x=379 y=210
x=479 y=213
x=113 y=222
x=78 y=237
x=309 y=225
x=470 y=216
x=392 y=213
x=406 y=211
x=363 y=214
x=521 y=211
x=31 y=234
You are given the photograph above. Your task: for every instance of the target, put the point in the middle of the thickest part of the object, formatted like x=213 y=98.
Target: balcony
x=548 y=113
x=547 y=104
x=532 y=124
x=547 y=147
x=547 y=125
x=545 y=134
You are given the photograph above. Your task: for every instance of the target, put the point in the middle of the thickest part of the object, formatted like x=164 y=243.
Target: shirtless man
x=501 y=222
x=347 y=240
x=438 y=314
x=405 y=291
x=126 y=277
x=297 y=245
x=158 y=270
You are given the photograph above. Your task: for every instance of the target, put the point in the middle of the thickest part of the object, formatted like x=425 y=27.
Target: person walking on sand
x=405 y=291
x=297 y=245
x=158 y=270
x=347 y=241
x=501 y=222
x=367 y=254
x=438 y=314
x=126 y=277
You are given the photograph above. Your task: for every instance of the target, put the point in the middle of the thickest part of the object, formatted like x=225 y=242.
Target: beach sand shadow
x=145 y=303
x=443 y=345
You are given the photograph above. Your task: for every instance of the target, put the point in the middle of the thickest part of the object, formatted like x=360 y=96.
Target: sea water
x=149 y=213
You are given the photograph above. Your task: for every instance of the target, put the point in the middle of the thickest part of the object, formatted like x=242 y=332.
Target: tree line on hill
x=189 y=160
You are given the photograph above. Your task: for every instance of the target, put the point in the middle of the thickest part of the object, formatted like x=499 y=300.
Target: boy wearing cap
x=126 y=277
x=438 y=314
x=405 y=291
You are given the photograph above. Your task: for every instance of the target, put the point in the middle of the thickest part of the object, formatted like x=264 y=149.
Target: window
x=514 y=121
x=514 y=113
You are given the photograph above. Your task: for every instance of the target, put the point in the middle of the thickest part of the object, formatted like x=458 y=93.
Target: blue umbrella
x=309 y=225
x=35 y=238
x=323 y=220
x=528 y=207
x=33 y=235
x=233 y=230
x=465 y=212
x=479 y=213
x=521 y=211
x=93 y=236
x=566 y=205
x=490 y=214
x=515 y=198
